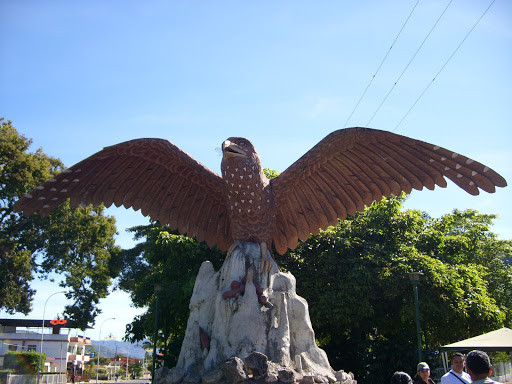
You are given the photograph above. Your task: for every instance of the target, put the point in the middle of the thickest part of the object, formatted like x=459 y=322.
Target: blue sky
x=79 y=76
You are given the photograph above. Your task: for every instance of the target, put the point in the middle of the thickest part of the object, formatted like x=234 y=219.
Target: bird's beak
x=230 y=149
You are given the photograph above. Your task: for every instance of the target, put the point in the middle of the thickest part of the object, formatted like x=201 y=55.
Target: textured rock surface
x=270 y=338
x=257 y=364
x=234 y=370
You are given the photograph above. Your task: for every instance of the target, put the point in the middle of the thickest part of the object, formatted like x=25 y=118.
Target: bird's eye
x=242 y=143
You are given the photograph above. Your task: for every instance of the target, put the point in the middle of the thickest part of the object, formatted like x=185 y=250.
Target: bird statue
x=348 y=169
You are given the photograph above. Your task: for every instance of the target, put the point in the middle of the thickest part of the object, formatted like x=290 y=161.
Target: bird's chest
x=249 y=201
x=246 y=192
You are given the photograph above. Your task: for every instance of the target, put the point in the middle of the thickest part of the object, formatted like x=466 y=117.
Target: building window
x=31 y=348
x=13 y=347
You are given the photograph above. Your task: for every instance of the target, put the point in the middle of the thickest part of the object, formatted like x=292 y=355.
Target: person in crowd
x=400 y=377
x=479 y=367
x=456 y=375
x=423 y=372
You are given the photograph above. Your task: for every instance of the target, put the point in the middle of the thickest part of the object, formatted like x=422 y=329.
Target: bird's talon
x=265 y=265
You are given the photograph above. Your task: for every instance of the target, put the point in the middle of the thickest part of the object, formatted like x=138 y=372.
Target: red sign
x=58 y=322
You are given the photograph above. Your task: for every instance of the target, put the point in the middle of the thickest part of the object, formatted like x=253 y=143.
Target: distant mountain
x=109 y=348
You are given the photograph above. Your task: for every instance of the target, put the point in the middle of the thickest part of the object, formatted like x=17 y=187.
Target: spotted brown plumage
x=345 y=171
x=250 y=202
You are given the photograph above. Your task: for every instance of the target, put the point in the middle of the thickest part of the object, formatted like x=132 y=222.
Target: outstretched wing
x=152 y=175
x=352 y=167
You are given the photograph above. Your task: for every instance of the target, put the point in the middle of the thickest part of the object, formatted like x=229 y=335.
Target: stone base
x=242 y=313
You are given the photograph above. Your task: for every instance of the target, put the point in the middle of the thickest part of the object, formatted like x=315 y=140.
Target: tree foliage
x=24 y=363
x=355 y=279
x=136 y=370
x=74 y=244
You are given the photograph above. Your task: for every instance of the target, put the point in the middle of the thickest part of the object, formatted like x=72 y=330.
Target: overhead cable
x=382 y=62
x=444 y=65
x=409 y=63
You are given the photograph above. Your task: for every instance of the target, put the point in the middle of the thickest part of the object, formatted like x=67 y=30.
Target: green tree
x=135 y=370
x=355 y=279
x=77 y=244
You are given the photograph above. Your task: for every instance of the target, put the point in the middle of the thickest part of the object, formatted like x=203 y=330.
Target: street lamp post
x=157 y=289
x=42 y=336
x=110 y=337
x=414 y=277
x=99 y=347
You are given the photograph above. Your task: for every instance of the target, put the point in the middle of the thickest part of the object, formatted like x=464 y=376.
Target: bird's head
x=238 y=151
x=237 y=147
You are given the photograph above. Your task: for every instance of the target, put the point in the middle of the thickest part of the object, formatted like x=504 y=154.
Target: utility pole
x=414 y=277
x=42 y=337
x=157 y=289
x=99 y=348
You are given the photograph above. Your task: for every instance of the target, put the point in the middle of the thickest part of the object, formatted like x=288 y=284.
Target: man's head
x=478 y=364
x=401 y=378
x=458 y=362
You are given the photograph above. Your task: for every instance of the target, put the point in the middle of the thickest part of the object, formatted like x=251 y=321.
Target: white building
x=63 y=351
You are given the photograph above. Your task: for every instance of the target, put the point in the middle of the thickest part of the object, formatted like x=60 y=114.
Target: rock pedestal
x=246 y=324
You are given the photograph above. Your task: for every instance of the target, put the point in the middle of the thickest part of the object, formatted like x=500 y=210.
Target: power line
x=444 y=65
x=382 y=62
x=409 y=63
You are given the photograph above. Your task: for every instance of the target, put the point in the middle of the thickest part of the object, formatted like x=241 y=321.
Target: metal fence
x=502 y=372
x=60 y=378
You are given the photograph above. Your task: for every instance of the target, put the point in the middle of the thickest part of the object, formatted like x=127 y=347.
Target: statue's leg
x=232 y=248
x=266 y=264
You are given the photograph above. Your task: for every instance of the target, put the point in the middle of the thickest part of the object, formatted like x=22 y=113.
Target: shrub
x=23 y=362
x=3 y=376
